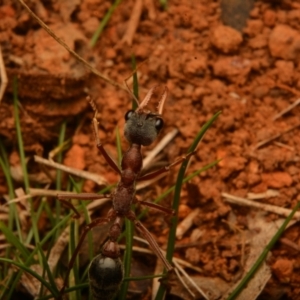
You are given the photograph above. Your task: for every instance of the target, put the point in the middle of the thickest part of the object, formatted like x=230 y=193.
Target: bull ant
x=141 y=129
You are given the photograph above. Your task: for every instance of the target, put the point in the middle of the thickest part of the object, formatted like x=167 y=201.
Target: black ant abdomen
x=105 y=275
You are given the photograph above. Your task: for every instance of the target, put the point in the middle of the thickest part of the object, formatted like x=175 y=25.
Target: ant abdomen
x=105 y=275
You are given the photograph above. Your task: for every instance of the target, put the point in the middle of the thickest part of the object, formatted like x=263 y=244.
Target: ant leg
x=70 y=206
x=163 y=209
x=152 y=243
x=86 y=229
x=100 y=147
x=166 y=168
x=162 y=100
x=82 y=196
x=154 y=246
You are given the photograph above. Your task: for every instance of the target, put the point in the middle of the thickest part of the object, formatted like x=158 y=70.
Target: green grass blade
x=135 y=82
x=78 y=287
x=90 y=243
x=22 y=250
x=6 y=170
x=172 y=188
x=16 y=279
x=174 y=220
x=127 y=258
x=13 y=282
x=164 y=4
x=24 y=268
x=74 y=277
x=12 y=213
x=103 y=23
x=179 y=182
x=34 y=228
x=59 y=158
x=13 y=240
x=58 y=225
x=19 y=134
x=263 y=255
x=107 y=189
x=119 y=148
x=50 y=278
x=135 y=78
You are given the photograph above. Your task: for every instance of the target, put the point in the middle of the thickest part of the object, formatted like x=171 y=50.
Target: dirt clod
x=283 y=269
x=226 y=39
x=284 y=42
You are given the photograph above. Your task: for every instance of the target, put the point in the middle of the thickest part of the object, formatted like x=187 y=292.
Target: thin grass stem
x=13 y=214
x=43 y=281
x=176 y=200
x=103 y=23
x=59 y=158
x=263 y=255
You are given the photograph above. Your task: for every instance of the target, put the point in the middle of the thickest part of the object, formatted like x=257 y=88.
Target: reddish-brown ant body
x=141 y=129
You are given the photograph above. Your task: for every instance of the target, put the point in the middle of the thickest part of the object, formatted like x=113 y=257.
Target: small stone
x=183 y=211
x=254 y=27
x=90 y=25
x=233 y=66
x=269 y=18
x=284 y=42
x=260 y=91
x=81 y=139
x=277 y=179
x=75 y=157
x=196 y=65
x=285 y=71
x=258 y=42
x=283 y=269
x=226 y=39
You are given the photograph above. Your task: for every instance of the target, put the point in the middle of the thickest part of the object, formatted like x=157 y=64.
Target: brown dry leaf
x=214 y=287
x=263 y=233
x=30 y=283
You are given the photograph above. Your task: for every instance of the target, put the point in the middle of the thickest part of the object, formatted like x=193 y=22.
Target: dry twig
x=186 y=223
x=266 y=207
x=100 y=180
x=286 y=110
x=133 y=23
x=266 y=141
x=3 y=76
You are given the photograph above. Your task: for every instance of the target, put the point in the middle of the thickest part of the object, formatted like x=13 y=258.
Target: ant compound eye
x=128 y=115
x=159 y=124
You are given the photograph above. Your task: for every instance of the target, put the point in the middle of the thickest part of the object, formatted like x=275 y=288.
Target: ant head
x=142 y=126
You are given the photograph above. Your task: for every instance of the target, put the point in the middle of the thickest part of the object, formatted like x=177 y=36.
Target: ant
x=141 y=129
